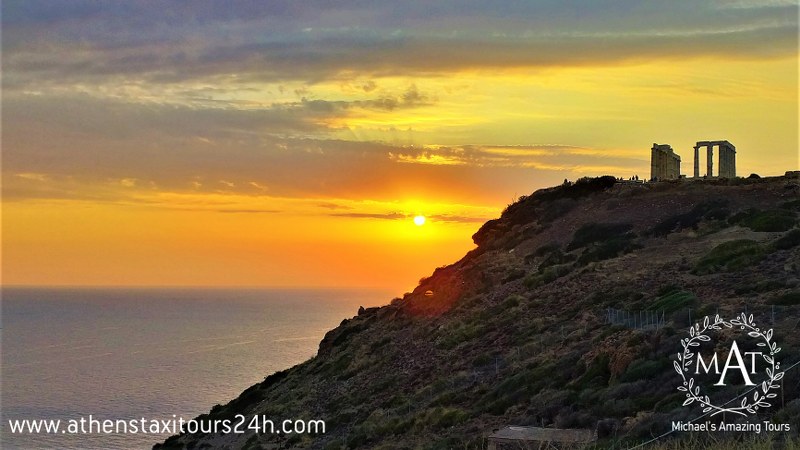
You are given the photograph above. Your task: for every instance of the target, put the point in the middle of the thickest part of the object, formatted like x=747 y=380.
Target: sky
x=286 y=143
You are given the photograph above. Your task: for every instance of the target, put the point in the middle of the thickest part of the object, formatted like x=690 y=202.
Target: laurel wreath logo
x=760 y=396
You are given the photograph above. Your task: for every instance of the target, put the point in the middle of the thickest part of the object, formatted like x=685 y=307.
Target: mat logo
x=691 y=364
x=739 y=364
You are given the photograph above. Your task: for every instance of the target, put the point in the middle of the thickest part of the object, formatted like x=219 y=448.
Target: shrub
x=335 y=444
x=380 y=343
x=792 y=205
x=516 y=388
x=616 y=298
x=641 y=369
x=512 y=301
x=341 y=363
x=771 y=220
x=714 y=209
x=668 y=289
x=580 y=188
x=556 y=209
x=546 y=249
x=609 y=249
x=514 y=274
x=595 y=232
x=550 y=274
x=673 y=301
x=597 y=373
x=750 y=287
x=788 y=240
x=555 y=258
x=730 y=256
x=461 y=332
x=440 y=417
x=482 y=360
x=791 y=298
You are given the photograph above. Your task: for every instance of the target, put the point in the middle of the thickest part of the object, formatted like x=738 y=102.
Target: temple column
x=724 y=161
x=728 y=162
x=709 y=160
x=697 y=161
x=653 y=162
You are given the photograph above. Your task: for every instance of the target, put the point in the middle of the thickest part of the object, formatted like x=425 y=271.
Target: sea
x=158 y=354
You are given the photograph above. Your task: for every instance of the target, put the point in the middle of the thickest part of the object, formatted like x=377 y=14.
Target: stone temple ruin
x=665 y=164
x=727 y=158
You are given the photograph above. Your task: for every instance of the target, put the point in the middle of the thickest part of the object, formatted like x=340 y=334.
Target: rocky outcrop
x=518 y=330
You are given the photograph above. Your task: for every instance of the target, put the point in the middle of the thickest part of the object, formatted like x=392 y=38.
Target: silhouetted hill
x=552 y=320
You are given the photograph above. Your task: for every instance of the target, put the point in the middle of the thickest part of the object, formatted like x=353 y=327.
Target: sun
x=419 y=221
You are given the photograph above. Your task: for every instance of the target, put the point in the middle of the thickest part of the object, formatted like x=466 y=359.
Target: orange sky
x=292 y=146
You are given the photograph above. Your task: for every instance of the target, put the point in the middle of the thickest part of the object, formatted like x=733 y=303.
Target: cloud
x=56 y=146
x=168 y=96
x=333 y=206
x=411 y=98
x=547 y=157
x=385 y=216
x=456 y=219
x=168 y=42
x=449 y=218
x=249 y=211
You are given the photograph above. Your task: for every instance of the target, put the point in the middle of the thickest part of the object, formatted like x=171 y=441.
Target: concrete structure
x=727 y=159
x=526 y=437
x=665 y=164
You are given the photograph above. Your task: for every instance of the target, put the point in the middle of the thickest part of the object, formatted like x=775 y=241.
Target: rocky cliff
x=569 y=313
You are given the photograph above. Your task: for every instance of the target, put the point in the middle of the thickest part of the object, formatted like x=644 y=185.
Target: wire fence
x=647 y=320
x=640 y=320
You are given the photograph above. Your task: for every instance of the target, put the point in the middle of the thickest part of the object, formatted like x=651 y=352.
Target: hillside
x=551 y=321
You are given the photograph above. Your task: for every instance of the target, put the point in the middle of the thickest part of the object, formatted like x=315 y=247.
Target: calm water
x=125 y=354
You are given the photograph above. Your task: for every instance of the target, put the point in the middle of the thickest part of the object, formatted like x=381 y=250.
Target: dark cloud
x=106 y=118
x=169 y=42
x=206 y=144
x=398 y=216
x=388 y=216
x=333 y=206
x=249 y=211
x=411 y=98
x=457 y=219
x=68 y=142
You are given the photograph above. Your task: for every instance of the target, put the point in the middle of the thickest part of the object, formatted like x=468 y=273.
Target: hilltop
x=525 y=329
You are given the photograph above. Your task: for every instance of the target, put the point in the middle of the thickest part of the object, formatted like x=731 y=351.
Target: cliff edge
x=568 y=314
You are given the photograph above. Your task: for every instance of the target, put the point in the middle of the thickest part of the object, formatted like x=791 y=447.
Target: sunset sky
x=291 y=143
